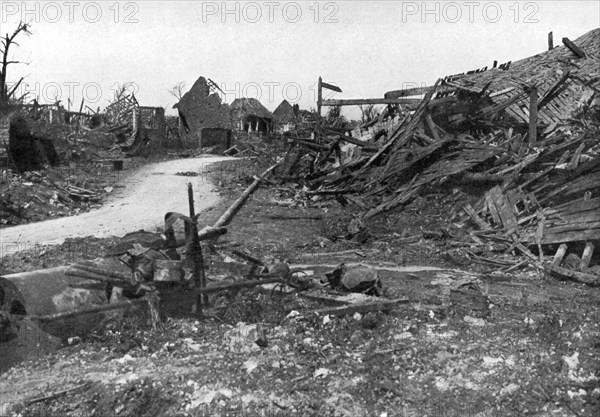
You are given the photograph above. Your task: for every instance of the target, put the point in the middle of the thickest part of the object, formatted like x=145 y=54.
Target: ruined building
x=203 y=116
x=249 y=115
x=285 y=117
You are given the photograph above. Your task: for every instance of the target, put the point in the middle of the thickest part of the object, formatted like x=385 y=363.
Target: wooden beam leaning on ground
x=229 y=214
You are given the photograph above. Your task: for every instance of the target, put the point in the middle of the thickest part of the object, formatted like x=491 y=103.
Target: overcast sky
x=273 y=50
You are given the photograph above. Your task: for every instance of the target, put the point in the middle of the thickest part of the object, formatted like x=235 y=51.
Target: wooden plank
x=363 y=101
x=331 y=87
x=548 y=95
x=361 y=308
x=408 y=92
x=575 y=160
x=563 y=273
x=354 y=141
x=505 y=212
x=533 y=115
x=539 y=234
x=573 y=48
x=576 y=236
x=573 y=227
x=478 y=221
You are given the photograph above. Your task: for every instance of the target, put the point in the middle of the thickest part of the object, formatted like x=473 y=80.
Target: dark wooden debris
x=515 y=132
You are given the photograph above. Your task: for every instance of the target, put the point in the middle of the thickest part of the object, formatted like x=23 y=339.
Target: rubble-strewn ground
x=85 y=175
x=536 y=353
x=80 y=183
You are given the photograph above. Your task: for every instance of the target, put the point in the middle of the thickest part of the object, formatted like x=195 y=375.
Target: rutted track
x=147 y=196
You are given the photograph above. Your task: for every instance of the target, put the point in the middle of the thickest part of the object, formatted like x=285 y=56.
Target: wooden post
x=560 y=254
x=550 y=41
x=533 y=115
x=79 y=115
x=319 y=96
x=586 y=256
x=196 y=253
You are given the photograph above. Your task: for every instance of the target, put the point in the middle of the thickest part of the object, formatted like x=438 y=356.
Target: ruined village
x=438 y=256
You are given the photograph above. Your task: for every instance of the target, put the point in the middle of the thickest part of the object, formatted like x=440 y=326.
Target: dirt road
x=147 y=195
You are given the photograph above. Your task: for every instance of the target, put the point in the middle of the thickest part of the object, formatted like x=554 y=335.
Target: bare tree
x=369 y=112
x=335 y=118
x=7 y=42
x=178 y=90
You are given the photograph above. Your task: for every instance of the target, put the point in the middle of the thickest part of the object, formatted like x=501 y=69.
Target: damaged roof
x=201 y=108
x=565 y=81
x=244 y=107
x=284 y=113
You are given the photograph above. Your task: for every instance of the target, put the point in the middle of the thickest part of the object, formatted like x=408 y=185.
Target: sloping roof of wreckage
x=531 y=192
x=564 y=80
x=243 y=107
x=284 y=113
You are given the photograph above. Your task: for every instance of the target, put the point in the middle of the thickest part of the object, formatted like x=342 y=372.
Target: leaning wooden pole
x=195 y=250
x=230 y=213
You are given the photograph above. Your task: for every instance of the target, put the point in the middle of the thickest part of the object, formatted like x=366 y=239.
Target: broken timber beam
x=362 y=101
x=568 y=274
x=407 y=92
x=226 y=218
x=551 y=92
x=354 y=141
x=239 y=284
x=533 y=115
x=478 y=220
x=573 y=48
x=361 y=308
x=92 y=310
x=195 y=248
x=102 y=272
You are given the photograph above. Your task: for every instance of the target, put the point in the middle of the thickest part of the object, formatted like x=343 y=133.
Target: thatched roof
x=244 y=107
x=284 y=113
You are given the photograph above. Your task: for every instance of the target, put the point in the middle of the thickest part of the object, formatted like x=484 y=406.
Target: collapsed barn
x=524 y=135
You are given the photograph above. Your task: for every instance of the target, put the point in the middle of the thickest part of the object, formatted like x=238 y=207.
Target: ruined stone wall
x=200 y=109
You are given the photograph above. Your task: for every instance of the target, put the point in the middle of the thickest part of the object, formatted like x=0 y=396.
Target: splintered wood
x=522 y=136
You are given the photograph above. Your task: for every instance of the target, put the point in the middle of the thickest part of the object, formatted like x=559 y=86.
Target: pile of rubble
x=58 y=162
x=524 y=140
